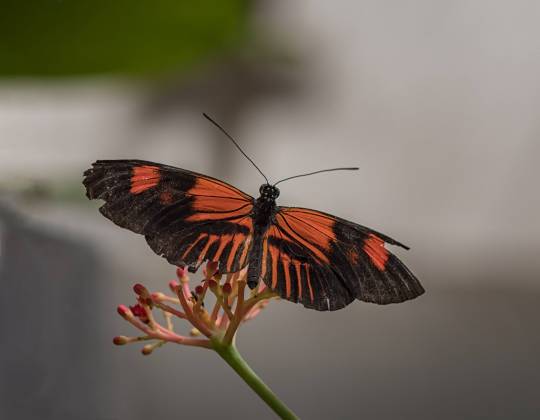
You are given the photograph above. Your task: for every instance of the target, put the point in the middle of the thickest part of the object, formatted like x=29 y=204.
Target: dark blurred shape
x=49 y=285
x=228 y=90
x=64 y=38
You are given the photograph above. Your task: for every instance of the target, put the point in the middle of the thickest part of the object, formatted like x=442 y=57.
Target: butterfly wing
x=186 y=217
x=325 y=262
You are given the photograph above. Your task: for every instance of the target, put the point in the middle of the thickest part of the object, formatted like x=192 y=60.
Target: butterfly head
x=269 y=192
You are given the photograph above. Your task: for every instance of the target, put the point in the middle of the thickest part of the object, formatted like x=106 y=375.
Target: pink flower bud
x=124 y=311
x=199 y=290
x=227 y=288
x=157 y=296
x=181 y=272
x=140 y=290
x=173 y=285
x=211 y=268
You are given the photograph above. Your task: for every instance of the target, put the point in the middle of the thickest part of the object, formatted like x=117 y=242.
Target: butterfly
x=306 y=256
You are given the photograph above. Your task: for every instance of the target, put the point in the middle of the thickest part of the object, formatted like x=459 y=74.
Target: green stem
x=230 y=354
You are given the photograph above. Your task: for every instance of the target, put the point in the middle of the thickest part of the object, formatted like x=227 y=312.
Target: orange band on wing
x=211 y=240
x=216 y=188
x=378 y=254
x=214 y=200
x=286 y=264
x=312 y=223
x=297 y=266
x=143 y=178
x=305 y=236
x=245 y=251
x=187 y=251
x=223 y=242
x=309 y=283
x=212 y=208
x=274 y=252
x=236 y=241
x=264 y=258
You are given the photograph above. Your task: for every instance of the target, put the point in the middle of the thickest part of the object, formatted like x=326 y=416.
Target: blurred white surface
x=436 y=102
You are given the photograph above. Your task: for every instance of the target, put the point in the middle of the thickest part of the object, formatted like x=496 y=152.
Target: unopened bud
x=211 y=268
x=147 y=350
x=212 y=284
x=140 y=290
x=199 y=290
x=226 y=288
x=157 y=296
x=194 y=332
x=173 y=285
x=120 y=340
x=124 y=311
x=181 y=272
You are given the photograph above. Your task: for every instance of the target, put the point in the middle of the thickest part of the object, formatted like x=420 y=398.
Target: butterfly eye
x=267 y=190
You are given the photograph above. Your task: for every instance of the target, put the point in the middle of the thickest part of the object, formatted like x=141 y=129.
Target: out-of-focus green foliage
x=135 y=37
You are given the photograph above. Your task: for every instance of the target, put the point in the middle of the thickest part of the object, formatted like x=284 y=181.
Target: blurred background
x=436 y=102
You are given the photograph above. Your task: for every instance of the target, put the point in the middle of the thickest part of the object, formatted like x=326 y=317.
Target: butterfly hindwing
x=186 y=217
x=325 y=262
x=298 y=276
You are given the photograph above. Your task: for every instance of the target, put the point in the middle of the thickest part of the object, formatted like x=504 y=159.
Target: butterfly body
x=264 y=212
x=306 y=256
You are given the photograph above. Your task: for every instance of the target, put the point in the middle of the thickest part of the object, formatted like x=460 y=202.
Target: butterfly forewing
x=186 y=217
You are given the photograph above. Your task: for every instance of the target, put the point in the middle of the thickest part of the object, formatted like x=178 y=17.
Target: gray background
x=438 y=104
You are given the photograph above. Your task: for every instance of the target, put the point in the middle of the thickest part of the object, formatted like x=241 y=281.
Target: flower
x=215 y=329
x=228 y=306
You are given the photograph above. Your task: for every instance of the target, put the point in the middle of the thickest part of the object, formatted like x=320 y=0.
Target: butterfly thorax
x=265 y=206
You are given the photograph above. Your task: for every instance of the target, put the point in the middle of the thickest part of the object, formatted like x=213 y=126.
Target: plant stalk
x=230 y=354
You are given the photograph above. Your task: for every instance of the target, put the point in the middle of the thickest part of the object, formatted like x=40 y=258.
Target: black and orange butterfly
x=306 y=256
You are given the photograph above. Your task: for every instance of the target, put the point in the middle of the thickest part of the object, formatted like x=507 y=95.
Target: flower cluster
x=231 y=306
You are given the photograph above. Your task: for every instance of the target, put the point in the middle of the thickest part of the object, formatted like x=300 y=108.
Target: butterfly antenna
x=318 y=172
x=236 y=144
